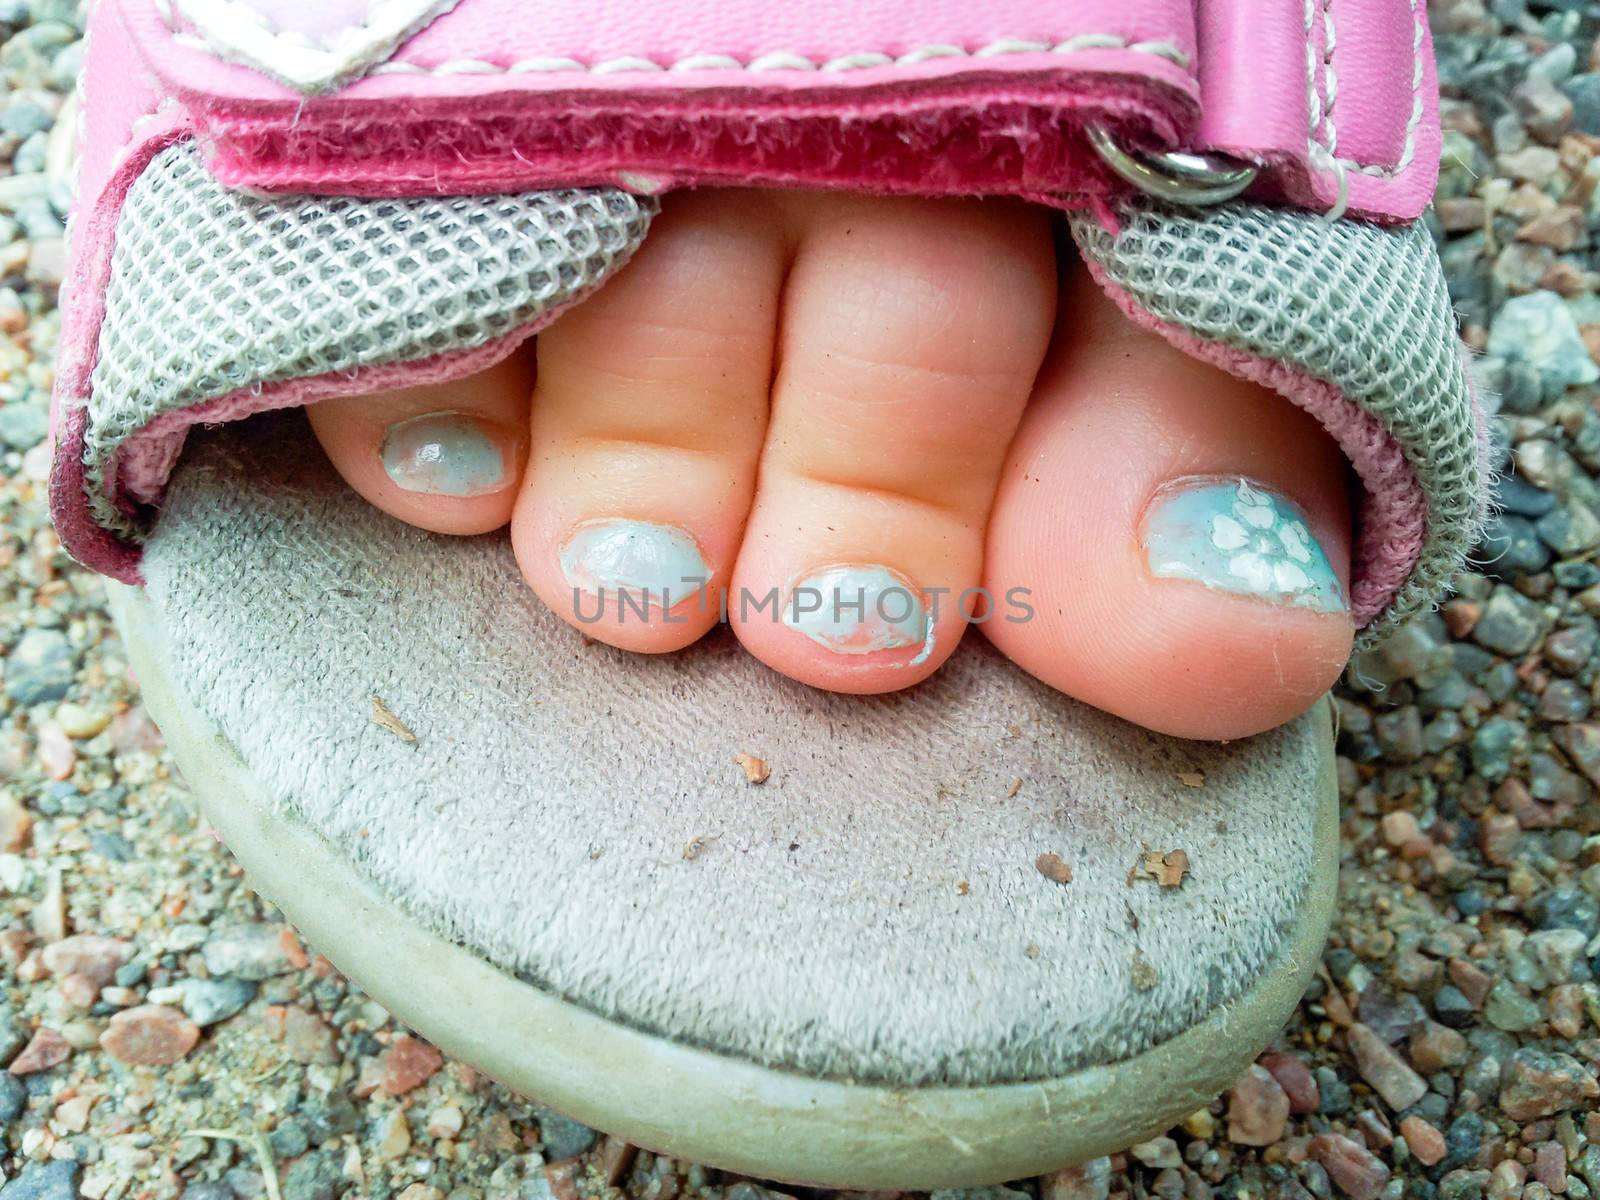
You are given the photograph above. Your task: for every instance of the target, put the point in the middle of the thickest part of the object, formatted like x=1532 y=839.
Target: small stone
x=1566 y=908
x=394 y=1135
x=55 y=1180
x=1566 y=1010
x=13 y=1098
x=1557 y=951
x=445 y=1122
x=1562 y=228
x=407 y=1063
x=1390 y=1015
x=1546 y=111
x=1570 y=530
x=208 y=1001
x=93 y=957
x=16 y=824
x=307 y=1038
x=1550 y=1166
x=1509 y=625
x=45 y=1049
x=1091 y=1181
x=562 y=1136
x=1356 y=1171
x=150 y=1035
x=40 y=668
x=1507 y=1008
x=1541 y=1083
x=1386 y=1071
x=1424 y=1141
x=76 y=721
x=1498 y=834
x=313 y=1177
x=1258 y=1108
x=252 y=952
x=1400 y=827
x=1538 y=328
x=1436 y=1048
x=1570 y=650
x=1157 y=1153
x=1296 y=1080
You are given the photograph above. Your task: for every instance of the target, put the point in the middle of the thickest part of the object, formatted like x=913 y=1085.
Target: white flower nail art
x=1265 y=546
x=1239 y=537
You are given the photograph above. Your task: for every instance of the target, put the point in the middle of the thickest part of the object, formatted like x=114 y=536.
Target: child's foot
x=849 y=414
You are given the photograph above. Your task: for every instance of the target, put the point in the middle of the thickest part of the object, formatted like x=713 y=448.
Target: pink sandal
x=280 y=202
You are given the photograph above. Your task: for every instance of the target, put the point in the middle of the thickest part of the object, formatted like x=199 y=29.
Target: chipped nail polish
x=616 y=556
x=858 y=610
x=444 y=454
x=1236 y=536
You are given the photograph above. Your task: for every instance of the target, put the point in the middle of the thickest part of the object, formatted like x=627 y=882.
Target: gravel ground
x=1448 y=1048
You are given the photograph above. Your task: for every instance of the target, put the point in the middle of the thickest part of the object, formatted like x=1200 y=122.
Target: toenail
x=859 y=610
x=635 y=557
x=1237 y=536
x=445 y=454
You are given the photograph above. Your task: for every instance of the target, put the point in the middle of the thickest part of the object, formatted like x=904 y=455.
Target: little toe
x=647 y=422
x=1177 y=540
x=910 y=338
x=446 y=457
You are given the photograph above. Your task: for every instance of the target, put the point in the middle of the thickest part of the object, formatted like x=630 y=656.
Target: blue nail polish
x=1237 y=536
x=444 y=454
x=859 y=610
x=640 y=557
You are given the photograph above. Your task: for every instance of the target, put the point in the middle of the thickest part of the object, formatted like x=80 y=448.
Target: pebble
x=313 y=1177
x=91 y=956
x=40 y=668
x=407 y=1063
x=1424 y=1141
x=1386 y=1071
x=1510 y=623
x=1538 y=328
x=1399 y=828
x=1091 y=1181
x=1354 y=1169
x=394 y=1135
x=13 y=1098
x=307 y=1037
x=562 y=1136
x=249 y=952
x=44 y=1050
x=1258 y=1109
x=1507 y=1008
x=1435 y=1047
x=1540 y=1083
x=149 y=1035
x=1157 y=1153
x=208 y=1001
x=56 y=1180
x=1296 y=1080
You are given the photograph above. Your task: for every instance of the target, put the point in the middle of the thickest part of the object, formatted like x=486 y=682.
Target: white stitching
x=775 y=61
x=787 y=61
x=1321 y=115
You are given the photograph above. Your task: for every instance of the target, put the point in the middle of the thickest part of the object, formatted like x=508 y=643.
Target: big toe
x=1168 y=543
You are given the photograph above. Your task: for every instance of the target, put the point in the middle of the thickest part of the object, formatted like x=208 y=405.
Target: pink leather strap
x=1339 y=97
x=1334 y=98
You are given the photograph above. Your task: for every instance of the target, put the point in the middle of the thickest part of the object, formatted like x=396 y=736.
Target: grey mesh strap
x=215 y=291
x=1360 y=306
